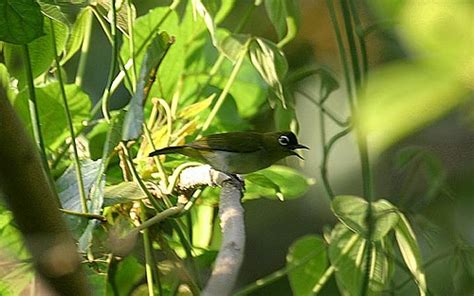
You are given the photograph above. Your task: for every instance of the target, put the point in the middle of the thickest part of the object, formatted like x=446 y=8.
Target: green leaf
x=200 y=8
x=132 y=126
x=419 y=93
x=307 y=260
x=234 y=45
x=53 y=12
x=21 y=21
x=104 y=7
x=41 y=52
x=122 y=193
x=291 y=183
x=78 y=32
x=158 y=20
x=271 y=63
x=11 y=241
x=347 y=253
x=51 y=111
x=285 y=17
x=96 y=195
x=408 y=245
x=191 y=111
x=67 y=186
x=5 y=81
x=263 y=181
x=351 y=211
x=248 y=89
x=125 y=276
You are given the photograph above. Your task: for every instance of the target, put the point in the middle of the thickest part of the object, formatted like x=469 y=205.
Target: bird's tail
x=167 y=150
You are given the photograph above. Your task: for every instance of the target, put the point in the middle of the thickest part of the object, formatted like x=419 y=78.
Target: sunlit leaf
x=190 y=111
x=285 y=17
x=291 y=183
x=158 y=20
x=40 y=50
x=51 y=111
x=78 y=31
x=21 y=21
x=200 y=8
x=203 y=217
x=53 y=12
x=271 y=63
x=233 y=46
x=410 y=250
x=351 y=211
x=347 y=252
x=132 y=126
x=307 y=260
x=104 y=7
x=402 y=99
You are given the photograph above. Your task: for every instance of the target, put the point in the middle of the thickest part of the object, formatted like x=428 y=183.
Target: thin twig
x=77 y=161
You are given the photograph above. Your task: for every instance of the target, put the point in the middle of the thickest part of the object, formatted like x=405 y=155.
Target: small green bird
x=239 y=152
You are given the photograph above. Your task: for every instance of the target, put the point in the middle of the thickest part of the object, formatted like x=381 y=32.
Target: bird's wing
x=245 y=141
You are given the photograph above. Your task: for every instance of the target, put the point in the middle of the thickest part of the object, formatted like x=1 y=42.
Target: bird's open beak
x=298 y=146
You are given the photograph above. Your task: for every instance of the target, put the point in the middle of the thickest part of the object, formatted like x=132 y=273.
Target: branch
x=231 y=253
x=32 y=200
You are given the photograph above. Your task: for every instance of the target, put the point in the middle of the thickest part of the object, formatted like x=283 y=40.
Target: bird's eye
x=283 y=140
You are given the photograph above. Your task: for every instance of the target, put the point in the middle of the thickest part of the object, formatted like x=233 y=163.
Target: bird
x=239 y=152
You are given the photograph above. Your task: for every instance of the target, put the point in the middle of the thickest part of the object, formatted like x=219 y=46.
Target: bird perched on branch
x=239 y=152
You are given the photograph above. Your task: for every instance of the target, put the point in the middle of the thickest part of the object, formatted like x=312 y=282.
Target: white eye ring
x=283 y=140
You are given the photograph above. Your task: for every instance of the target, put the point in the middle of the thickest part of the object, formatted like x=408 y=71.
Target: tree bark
x=33 y=203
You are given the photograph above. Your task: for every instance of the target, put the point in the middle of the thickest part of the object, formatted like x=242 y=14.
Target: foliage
x=187 y=75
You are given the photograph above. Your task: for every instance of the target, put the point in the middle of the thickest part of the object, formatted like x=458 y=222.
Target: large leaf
x=97 y=191
x=51 y=111
x=132 y=126
x=122 y=193
x=402 y=99
x=271 y=63
x=67 y=185
x=41 y=52
x=280 y=182
x=155 y=21
x=15 y=275
x=351 y=211
x=347 y=253
x=78 y=32
x=408 y=245
x=284 y=15
x=307 y=260
x=21 y=21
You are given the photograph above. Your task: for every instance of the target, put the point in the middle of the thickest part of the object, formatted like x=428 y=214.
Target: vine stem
x=77 y=162
x=367 y=178
x=33 y=108
x=107 y=93
x=81 y=67
x=224 y=92
x=36 y=123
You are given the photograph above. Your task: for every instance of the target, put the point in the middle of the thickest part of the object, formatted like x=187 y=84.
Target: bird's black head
x=288 y=141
